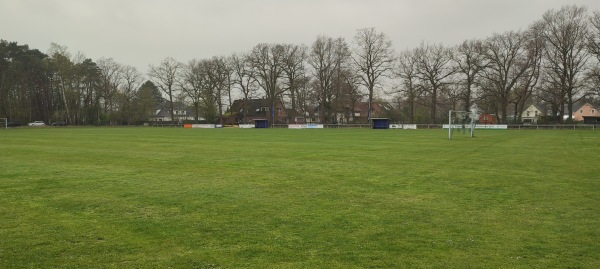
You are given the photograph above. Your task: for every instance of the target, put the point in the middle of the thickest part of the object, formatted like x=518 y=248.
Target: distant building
x=488 y=119
x=261 y=109
x=255 y=109
x=586 y=110
x=378 y=110
x=531 y=115
x=180 y=111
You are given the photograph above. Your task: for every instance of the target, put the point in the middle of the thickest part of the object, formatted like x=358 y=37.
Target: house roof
x=584 y=105
x=253 y=107
x=534 y=106
x=250 y=103
x=376 y=106
x=163 y=110
x=176 y=106
x=161 y=113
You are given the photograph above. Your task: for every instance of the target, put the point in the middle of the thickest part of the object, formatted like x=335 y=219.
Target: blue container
x=381 y=123
x=261 y=123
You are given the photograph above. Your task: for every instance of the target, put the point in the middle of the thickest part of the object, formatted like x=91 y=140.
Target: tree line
x=60 y=86
x=554 y=62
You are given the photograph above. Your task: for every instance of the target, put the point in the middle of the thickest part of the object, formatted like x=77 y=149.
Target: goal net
x=462 y=121
x=4 y=123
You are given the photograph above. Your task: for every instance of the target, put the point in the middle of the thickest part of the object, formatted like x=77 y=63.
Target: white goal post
x=459 y=119
x=4 y=123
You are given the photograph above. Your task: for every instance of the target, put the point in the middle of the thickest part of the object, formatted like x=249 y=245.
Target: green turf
x=251 y=198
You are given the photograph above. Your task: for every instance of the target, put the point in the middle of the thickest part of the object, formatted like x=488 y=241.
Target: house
x=351 y=114
x=180 y=111
x=586 y=110
x=531 y=114
x=488 y=119
x=246 y=111
x=300 y=116
x=378 y=110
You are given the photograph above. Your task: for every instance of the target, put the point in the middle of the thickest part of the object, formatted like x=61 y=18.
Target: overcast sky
x=143 y=32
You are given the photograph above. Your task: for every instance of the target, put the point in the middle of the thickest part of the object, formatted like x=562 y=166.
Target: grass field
x=250 y=198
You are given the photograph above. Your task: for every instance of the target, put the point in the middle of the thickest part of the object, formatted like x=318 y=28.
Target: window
x=264 y=108
x=581 y=111
x=593 y=111
x=527 y=113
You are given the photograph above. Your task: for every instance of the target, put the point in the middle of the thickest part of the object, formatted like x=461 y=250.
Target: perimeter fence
x=421 y=126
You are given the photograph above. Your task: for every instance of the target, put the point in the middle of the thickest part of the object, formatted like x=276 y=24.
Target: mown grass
x=233 y=198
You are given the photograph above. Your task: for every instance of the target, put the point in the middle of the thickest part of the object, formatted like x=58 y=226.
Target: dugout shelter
x=261 y=123
x=381 y=123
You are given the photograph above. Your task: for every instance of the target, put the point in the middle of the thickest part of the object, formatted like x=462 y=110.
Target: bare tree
x=452 y=95
x=486 y=96
x=566 y=32
x=209 y=93
x=593 y=83
x=524 y=88
x=166 y=76
x=294 y=69
x=594 y=49
x=326 y=56
x=243 y=77
x=192 y=82
x=410 y=87
x=132 y=80
x=349 y=92
x=267 y=62
x=594 y=35
x=507 y=61
x=373 y=57
x=433 y=69
x=345 y=83
x=469 y=63
x=306 y=96
x=110 y=82
x=220 y=80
